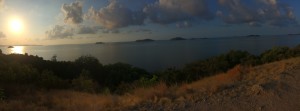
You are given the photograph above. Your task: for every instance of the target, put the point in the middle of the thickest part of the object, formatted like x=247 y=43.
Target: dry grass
x=65 y=100
x=215 y=83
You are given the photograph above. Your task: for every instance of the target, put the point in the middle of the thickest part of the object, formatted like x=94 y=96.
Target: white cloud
x=59 y=32
x=2 y=35
x=72 y=12
x=116 y=15
x=87 y=30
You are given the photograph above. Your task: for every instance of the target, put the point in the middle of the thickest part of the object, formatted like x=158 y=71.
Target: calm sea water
x=157 y=55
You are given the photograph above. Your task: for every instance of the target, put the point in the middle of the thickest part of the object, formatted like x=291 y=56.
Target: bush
x=49 y=81
x=275 y=54
x=2 y=94
x=84 y=82
x=18 y=73
x=118 y=73
x=174 y=76
x=87 y=62
x=147 y=82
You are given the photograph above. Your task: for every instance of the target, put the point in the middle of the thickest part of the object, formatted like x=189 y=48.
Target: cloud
x=87 y=29
x=113 y=31
x=59 y=32
x=116 y=15
x=172 y=11
x=2 y=35
x=1 y=3
x=265 y=12
x=72 y=12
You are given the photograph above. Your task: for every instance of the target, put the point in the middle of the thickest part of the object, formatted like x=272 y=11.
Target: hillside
x=268 y=87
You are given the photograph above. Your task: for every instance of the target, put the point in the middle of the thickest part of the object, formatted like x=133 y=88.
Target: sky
x=51 y=22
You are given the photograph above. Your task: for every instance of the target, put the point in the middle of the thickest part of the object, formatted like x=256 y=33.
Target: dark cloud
x=183 y=13
x=87 y=30
x=172 y=11
x=59 y=32
x=116 y=15
x=72 y=12
x=120 y=13
x=265 y=12
x=2 y=35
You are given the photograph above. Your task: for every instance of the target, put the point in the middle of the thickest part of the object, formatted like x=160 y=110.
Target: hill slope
x=269 y=87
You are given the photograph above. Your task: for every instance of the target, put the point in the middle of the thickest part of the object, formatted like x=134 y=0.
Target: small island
x=10 y=47
x=253 y=36
x=294 y=34
x=145 y=40
x=99 y=43
x=198 y=38
x=178 y=38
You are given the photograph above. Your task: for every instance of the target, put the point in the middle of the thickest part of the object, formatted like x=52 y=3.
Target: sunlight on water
x=17 y=50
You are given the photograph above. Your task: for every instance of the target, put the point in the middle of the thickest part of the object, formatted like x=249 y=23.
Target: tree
x=53 y=58
x=84 y=82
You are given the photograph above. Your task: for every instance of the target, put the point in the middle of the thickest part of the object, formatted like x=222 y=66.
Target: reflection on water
x=17 y=50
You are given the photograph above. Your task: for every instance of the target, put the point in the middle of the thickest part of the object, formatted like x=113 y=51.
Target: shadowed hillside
x=273 y=86
x=236 y=80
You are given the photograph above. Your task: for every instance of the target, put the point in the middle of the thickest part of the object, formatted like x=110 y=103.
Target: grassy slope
x=273 y=86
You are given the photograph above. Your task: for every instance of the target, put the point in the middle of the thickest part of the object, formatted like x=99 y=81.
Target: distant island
x=145 y=40
x=99 y=42
x=253 y=36
x=10 y=47
x=178 y=38
x=198 y=38
x=294 y=34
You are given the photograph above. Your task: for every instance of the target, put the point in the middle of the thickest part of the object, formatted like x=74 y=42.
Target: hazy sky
x=46 y=22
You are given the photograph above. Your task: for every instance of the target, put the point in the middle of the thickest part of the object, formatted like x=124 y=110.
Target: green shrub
x=2 y=94
x=84 y=82
x=120 y=73
x=175 y=76
x=49 y=81
x=18 y=73
x=147 y=82
x=275 y=54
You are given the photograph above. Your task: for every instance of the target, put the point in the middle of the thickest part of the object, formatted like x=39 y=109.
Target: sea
x=157 y=55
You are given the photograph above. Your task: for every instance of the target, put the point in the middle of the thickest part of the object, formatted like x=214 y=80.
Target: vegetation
x=87 y=74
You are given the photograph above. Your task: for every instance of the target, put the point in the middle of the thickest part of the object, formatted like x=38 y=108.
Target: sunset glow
x=16 y=25
x=17 y=50
x=48 y=22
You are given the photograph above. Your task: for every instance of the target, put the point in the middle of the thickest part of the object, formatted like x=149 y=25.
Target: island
x=294 y=34
x=178 y=38
x=10 y=47
x=145 y=40
x=253 y=36
x=197 y=38
x=99 y=43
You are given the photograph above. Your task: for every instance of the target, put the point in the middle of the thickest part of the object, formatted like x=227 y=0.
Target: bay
x=157 y=55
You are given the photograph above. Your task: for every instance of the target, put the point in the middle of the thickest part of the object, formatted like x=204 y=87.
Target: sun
x=16 y=25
